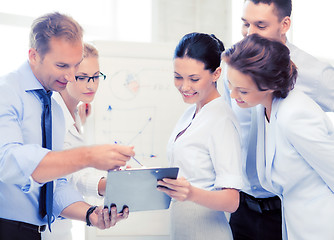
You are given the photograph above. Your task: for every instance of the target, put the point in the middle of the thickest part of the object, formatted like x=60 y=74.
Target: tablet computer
x=137 y=188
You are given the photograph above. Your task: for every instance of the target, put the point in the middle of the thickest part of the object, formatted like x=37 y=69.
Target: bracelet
x=89 y=212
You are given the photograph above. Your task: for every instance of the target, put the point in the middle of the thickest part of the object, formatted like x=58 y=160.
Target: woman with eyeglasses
x=90 y=182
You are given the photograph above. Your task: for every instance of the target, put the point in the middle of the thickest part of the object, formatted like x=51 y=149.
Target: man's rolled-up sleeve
x=64 y=195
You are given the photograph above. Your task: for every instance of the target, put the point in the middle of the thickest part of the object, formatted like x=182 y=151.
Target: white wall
x=174 y=18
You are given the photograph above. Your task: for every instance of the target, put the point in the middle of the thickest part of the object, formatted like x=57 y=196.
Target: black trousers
x=249 y=224
x=12 y=230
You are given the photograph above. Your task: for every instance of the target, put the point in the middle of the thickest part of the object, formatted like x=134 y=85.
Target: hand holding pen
x=109 y=156
x=141 y=165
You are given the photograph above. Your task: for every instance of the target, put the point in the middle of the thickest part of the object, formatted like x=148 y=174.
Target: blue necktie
x=46 y=193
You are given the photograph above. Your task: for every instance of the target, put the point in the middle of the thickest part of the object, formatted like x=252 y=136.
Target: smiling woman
x=292 y=133
x=206 y=135
x=195 y=83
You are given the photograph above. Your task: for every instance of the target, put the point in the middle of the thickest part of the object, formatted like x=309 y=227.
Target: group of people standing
x=275 y=148
x=261 y=150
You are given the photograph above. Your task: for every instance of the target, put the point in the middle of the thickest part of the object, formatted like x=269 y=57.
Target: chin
x=58 y=89
x=189 y=101
x=243 y=105
x=87 y=99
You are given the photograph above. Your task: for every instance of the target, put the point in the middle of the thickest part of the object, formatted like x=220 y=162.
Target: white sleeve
x=86 y=181
x=225 y=152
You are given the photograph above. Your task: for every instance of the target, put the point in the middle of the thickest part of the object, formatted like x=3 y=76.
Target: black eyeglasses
x=99 y=77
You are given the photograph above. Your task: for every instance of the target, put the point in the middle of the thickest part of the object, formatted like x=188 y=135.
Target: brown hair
x=53 y=25
x=266 y=61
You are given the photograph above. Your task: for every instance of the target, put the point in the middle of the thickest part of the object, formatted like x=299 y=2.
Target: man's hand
x=109 y=156
x=103 y=219
x=60 y=163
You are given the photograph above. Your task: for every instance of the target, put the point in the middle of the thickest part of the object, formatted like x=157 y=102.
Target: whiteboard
x=138 y=105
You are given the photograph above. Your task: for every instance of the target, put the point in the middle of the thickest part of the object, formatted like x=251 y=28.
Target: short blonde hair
x=90 y=50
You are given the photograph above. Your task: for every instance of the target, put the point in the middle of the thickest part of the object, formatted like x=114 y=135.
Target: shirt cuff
x=92 y=185
x=229 y=181
x=64 y=195
x=86 y=181
x=29 y=187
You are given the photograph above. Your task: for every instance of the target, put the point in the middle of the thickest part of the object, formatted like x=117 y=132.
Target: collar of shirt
x=68 y=117
x=28 y=80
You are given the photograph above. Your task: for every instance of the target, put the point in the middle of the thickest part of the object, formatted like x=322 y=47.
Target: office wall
x=172 y=19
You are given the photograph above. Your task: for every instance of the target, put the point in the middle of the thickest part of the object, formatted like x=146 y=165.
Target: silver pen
x=116 y=142
x=138 y=162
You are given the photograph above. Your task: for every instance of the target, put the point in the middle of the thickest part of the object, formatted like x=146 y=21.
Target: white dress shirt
x=208 y=152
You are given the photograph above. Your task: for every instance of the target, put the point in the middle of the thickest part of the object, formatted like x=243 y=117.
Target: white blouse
x=86 y=180
x=208 y=152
